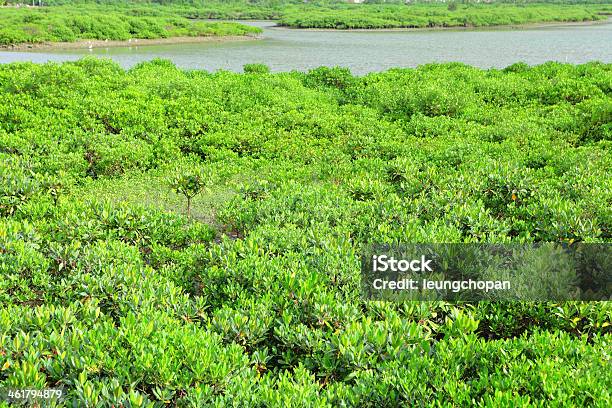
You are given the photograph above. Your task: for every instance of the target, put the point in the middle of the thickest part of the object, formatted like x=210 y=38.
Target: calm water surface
x=288 y=49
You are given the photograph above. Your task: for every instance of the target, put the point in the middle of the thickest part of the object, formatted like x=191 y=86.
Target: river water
x=364 y=51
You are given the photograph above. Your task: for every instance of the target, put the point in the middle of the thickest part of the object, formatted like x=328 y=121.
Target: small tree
x=190 y=185
x=452 y=6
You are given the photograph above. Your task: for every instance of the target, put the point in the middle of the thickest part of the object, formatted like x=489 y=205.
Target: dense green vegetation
x=339 y=15
x=109 y=290
x=53 y=24
x=420 y=16
x=116 y=20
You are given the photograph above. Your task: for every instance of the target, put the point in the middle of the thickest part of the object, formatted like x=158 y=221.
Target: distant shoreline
x=548 y=24
x=135 y=42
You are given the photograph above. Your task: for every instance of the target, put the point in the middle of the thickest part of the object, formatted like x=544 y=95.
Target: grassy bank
x=109 y=290
x=72 y=24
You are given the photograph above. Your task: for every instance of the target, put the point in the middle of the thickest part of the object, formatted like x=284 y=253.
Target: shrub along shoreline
x=435 y=16
x=43 y=25
x=520 y=26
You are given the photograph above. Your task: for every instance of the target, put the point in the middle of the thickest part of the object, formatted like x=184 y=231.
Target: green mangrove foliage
x=115 y=20
x=128 y=302
x=69 y=24
x=371 y=15
x=421 y=16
